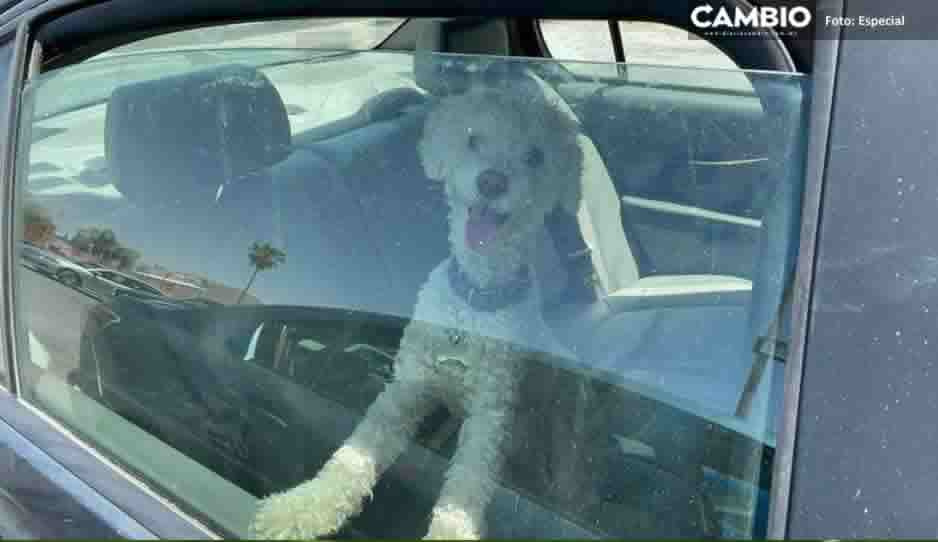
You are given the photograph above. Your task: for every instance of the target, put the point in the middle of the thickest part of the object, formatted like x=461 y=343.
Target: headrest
x=449 y=73
x=176 y=141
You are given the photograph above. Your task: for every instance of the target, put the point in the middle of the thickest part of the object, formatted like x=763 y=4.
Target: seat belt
x=767 y=347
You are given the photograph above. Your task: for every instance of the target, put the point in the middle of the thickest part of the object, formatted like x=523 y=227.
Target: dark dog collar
x=492 y=298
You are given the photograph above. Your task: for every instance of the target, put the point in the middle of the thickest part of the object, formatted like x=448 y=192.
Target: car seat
x=191 y=156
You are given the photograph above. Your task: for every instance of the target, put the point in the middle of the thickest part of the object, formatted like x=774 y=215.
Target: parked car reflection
x=99 y=282
x=50 y=264
x=105 y=283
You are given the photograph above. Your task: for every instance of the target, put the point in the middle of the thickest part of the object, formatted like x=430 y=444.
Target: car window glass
x=539 y=309
x=280 y=42
x=324 y=33
x=584 y=40
x=645 y=44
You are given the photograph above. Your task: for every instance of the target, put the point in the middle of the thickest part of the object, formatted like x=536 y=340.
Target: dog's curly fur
x=526 y=139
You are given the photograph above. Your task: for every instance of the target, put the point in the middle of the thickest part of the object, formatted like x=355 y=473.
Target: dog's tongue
x=481 y=226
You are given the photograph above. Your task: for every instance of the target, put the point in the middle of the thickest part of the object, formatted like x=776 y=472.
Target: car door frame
x=125 y=503
x=864 y=458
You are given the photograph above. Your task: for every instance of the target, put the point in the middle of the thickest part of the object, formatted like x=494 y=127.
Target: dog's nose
x=492 y=184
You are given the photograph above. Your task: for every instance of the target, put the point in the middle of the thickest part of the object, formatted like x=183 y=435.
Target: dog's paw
x=301 y=513
x=451 y=523
x=275 y=520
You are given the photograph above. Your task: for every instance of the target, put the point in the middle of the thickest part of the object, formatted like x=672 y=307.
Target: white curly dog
x=507 y=158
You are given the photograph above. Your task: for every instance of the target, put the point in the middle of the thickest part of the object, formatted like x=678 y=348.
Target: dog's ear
x=431 y=157
x=433 y=167
x=571 y=194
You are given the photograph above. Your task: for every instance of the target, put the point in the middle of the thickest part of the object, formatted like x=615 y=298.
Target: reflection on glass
x=263 y=257
x=503 y=303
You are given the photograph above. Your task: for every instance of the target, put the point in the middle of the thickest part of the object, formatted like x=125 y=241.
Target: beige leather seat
x=618 y=282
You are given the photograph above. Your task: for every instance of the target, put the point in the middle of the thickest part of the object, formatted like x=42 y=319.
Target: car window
x=481 y=300
x=269 y=43
x=323 y=33
x=643 y=44
x=583 y=40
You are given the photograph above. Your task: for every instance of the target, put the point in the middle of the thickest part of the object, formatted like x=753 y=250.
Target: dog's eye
x=475 y=141
x=534 y=157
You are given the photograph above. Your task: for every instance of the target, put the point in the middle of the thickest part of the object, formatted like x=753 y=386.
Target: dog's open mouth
x=482 y=225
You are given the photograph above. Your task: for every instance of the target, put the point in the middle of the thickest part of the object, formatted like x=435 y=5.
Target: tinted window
x=588 y=41
x=665 y=45
x=642 y=42
x=335 y=34
x=531 y=305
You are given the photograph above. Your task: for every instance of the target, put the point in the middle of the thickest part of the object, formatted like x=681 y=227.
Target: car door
x=40 y=496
